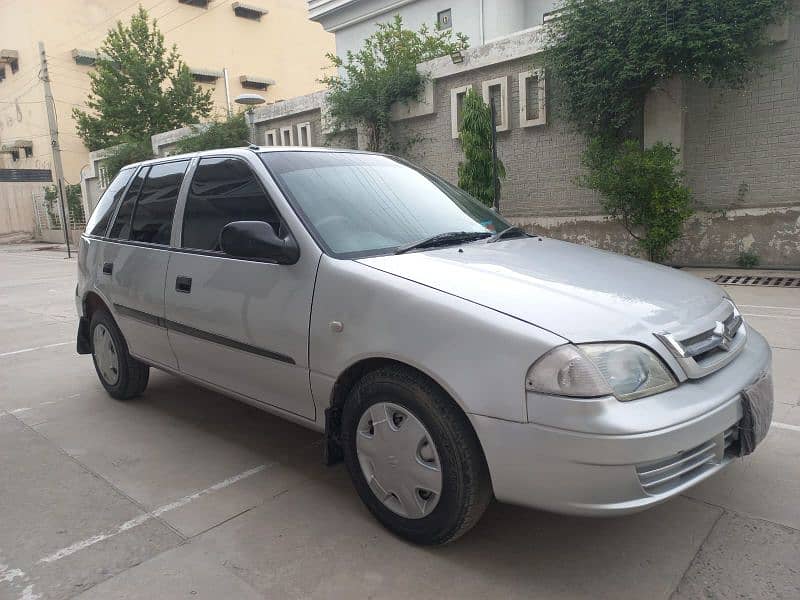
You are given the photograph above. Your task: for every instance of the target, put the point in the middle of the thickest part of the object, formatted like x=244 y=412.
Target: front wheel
x=123 y=376
x=413 y=457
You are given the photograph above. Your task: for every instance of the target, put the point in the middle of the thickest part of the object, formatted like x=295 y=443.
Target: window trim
x=502 y=123
x=454 y=95
x=524 y=121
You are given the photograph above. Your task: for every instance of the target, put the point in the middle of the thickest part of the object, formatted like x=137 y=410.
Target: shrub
x=748 y=259
x=643 y=189
x=475 y=173
x=226 y=133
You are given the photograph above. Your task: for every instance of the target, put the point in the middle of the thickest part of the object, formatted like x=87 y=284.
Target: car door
x=133 y=262
x=238 y=324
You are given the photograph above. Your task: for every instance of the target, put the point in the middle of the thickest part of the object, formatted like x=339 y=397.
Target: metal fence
x=47 y=213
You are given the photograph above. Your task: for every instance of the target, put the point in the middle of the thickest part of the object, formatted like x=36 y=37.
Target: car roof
x=243 y=151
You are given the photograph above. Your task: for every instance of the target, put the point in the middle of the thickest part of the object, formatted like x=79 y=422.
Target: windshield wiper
x=444 y=239
x=512 y=231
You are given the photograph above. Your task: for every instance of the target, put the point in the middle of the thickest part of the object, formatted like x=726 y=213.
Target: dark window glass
x=223 y=190
x=121 y=229
x=98 y=222
x=152 y=219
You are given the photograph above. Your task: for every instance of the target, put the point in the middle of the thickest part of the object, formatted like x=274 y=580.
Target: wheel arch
x=350 y=376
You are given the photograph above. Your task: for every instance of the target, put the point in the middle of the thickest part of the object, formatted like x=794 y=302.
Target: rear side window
x=98 y=222
x=152 y=218
x=121 y=229
x=223 y=190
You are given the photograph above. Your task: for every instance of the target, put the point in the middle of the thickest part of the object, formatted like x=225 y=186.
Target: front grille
x=666 y=474
x=760 y=280
x=701 y=354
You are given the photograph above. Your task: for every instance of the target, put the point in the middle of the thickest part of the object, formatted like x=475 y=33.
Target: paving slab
x=744 y=558
x=765 y=484
x=176 y=440
x=48 y=503
x=318 y=541
x=178 y=574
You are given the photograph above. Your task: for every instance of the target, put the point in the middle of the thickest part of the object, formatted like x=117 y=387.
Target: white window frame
x=307 y=128
x=523 y=98
x=271 y=137
x=502 y=118
x=284 y=131
x=454 y=94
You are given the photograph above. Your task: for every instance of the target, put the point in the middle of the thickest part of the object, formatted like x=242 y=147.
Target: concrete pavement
x=184 y=493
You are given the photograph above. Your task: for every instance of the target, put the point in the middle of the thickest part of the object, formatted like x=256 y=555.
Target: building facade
x=481 y=20
x=266 y=46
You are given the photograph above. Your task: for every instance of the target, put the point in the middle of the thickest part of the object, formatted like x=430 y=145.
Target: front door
x=238 y=324
x=133 y=262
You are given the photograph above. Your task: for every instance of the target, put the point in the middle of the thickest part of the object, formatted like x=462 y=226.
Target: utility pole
x=52 y=123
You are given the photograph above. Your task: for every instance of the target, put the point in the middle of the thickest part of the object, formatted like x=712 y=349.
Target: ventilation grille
x=761 y=280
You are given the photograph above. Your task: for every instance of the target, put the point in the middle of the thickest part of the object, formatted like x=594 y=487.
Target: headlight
x=627 y=371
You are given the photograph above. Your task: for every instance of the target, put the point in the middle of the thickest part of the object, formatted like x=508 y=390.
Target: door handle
x=183 y=285
x=108 y=268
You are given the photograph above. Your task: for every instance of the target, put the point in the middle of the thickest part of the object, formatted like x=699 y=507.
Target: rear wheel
x=123 y=376
x=413 y=457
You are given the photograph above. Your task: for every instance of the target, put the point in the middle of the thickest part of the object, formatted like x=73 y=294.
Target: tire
x=411 y=400
x=123 y=376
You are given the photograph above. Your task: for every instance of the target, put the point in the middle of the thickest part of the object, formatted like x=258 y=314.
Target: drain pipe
x=480 y=20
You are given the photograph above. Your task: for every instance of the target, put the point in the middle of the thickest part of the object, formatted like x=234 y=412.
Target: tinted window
x=121 y=229
x=152 y=219
x=223 y=190
x=98 y=222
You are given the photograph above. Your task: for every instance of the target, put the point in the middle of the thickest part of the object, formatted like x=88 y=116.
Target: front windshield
x=366 y=204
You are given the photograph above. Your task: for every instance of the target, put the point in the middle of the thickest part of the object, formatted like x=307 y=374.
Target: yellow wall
x=284 y=45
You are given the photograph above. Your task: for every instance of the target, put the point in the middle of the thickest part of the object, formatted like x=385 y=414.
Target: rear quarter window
x=98 y=222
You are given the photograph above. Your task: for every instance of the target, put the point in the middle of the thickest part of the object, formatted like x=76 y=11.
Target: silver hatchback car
x=447 y=356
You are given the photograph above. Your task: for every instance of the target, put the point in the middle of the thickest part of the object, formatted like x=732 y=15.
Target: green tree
x=367 y=83
x=475 y=174
x=139 y=87
x=643 y=189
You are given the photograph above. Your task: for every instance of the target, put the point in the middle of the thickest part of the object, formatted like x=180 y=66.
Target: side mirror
x=257 y=239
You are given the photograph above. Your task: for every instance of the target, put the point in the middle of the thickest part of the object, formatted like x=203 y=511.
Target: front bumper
x=612 y=464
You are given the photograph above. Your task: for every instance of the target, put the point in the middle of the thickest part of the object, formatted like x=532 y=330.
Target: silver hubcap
x=399 y=460
x=105 y=354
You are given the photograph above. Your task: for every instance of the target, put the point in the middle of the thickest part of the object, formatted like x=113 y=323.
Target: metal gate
x=47 y=213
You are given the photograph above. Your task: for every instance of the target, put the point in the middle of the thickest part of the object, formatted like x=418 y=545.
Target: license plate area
x=757 y=401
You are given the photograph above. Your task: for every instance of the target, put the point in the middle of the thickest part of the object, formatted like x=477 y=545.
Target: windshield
x=366 y=204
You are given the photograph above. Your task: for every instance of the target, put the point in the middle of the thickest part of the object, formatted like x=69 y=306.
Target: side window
x=101 y=215
x=152 y=218
x=223 y=190
x=121 y=229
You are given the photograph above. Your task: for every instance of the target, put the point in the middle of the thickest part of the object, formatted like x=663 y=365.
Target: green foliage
x=125 y=154
x=643 y=189
x=475 y=173
x=74 y=202
x=748 y=259
x=227 y=133
x=139 y=87
x=368 y=82
x=609 y=55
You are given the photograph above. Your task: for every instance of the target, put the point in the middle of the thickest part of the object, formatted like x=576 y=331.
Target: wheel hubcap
x=399 y=460
x=105 y=355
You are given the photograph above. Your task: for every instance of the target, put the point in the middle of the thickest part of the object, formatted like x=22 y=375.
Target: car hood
x=580 y=293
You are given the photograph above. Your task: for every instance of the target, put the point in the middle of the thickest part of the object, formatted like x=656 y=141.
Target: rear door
x=133 y=262
x=241 y=325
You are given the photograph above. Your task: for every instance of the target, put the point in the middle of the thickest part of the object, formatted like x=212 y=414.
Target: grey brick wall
x=313 y=117
x=541 y=162
x=742 y=147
